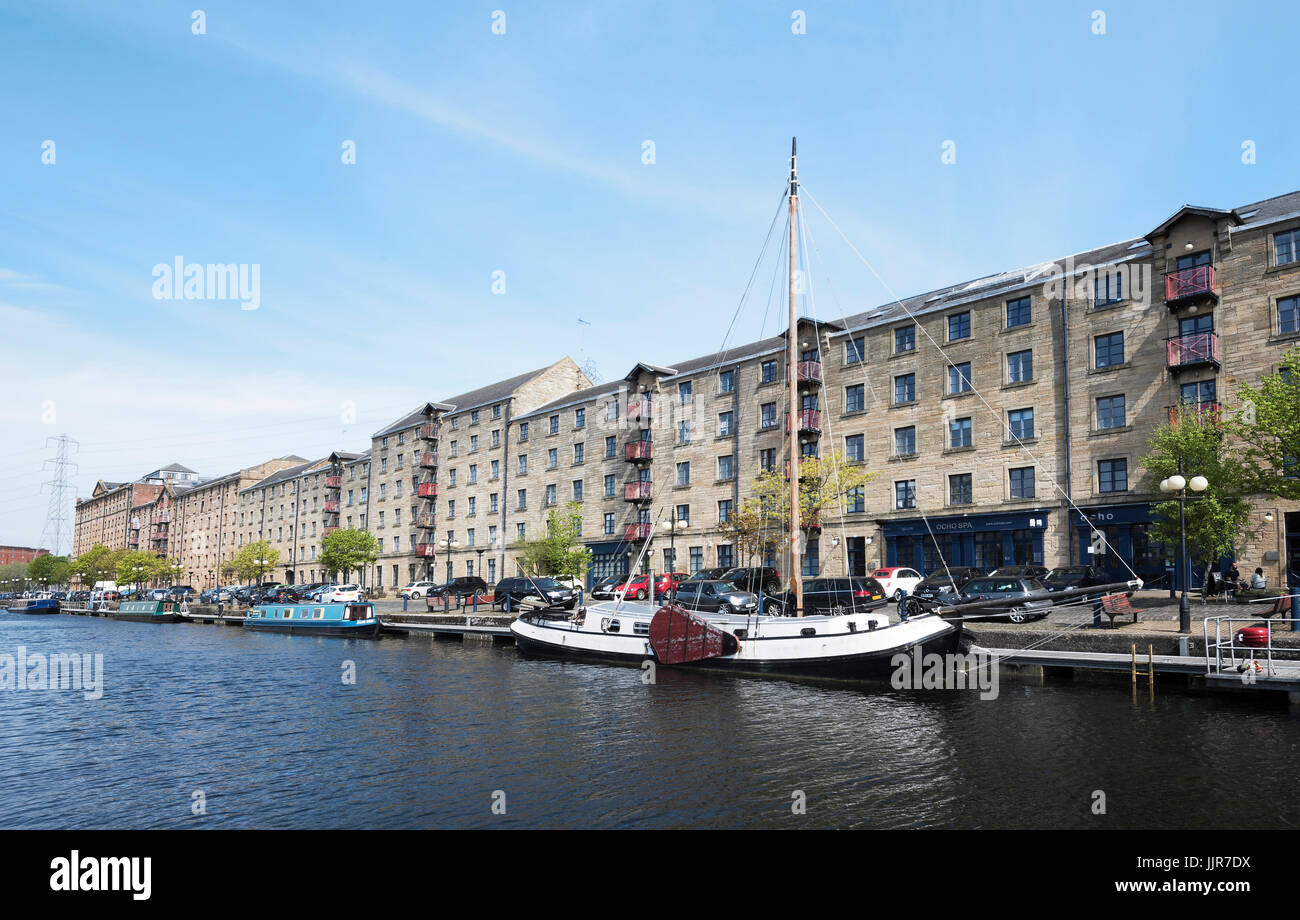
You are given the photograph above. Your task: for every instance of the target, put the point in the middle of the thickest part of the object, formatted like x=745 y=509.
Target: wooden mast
x=792 y=375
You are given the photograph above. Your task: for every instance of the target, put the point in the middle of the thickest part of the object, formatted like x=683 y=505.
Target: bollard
x=1096 y=612
x=580 y=595
x=476 y=602
x=405 y=598
x=446 y=601
x=1295 y=610
x=1184 y=645
x=902 y=605
x=507 y=603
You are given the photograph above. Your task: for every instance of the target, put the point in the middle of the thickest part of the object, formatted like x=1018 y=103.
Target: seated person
x=1257 y=581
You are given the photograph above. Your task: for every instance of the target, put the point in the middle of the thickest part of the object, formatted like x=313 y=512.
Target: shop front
x=1125 y=543
x=984 y=541
x=607 y=559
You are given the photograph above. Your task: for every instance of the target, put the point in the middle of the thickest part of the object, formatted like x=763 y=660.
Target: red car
x=638 y=586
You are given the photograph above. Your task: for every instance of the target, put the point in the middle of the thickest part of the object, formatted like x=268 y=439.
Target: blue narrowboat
x=340 y=619
x=147 y=611
x=34 y=605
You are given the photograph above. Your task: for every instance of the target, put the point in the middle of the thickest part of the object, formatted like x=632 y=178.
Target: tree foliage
x=561 y=551
x=151 y=568
x=1266 y=428
x=1217 y=518
x=254 y=560
x=50 y=570
x=14 y=575
x=348 y=550
x=99 y=563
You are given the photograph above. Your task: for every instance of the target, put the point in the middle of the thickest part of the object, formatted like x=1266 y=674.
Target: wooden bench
x=1281 y=606
x=1116 y=605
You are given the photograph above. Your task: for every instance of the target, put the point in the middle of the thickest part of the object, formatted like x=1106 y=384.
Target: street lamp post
x=1177 y=483
x=673 y=524
x=448 y=546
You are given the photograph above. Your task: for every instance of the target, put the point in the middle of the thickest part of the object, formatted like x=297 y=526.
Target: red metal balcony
x=636 y=492
x=427 y=432
x=639 y=450
x=809 y=371
x=326 y=531
x=1210 y=410
x=1191 y=350
x=333 y=482
x=426 y=519
x=426 y=549
x=1190 y=283
x=427 y=489
x=429 y=459
x=810 y=420
x=640 y=410
x=162 y=517
x=331 y=506
x=636 y=531
x=812 y=522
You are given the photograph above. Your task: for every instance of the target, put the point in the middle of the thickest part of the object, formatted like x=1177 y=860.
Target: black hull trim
x=147 y=617
x=872 y=666
x=354 y=632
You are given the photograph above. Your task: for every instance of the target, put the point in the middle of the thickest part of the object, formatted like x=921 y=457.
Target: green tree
x=561 y=551
x=150 y=568
x=1217 y=518
x=254 y=560
x=1266 y=427
x=50 y=570
x=14 y=576
x=348 y=550
x=99 y=563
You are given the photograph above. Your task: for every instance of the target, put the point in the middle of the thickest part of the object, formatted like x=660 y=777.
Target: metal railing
x=1224 y=644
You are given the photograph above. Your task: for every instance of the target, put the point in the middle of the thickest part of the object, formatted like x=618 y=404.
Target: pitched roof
x=493 y=392
x=576 y=398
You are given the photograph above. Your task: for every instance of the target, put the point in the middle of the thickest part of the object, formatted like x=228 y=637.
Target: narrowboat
x=148 y=611
x=34 y=605
x=339 y=619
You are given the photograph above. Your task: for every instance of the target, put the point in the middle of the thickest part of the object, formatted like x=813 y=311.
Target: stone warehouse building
x=1003 y=418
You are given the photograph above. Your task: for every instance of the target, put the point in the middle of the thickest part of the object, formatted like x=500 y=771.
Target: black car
x=464 y=586
x=719 y=596
x=846 y=594
x=761 y=580
x=709 y=574
x=1074 y=576
x=605 y=587
x=940 y=588
x=1021 y=571
x=513 y=590
x=1031 y=598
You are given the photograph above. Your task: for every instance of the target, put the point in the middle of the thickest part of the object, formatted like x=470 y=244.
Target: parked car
x=715 y=596
x=1032 y=601
x=709 y=574
x=464 y=586
x=180 y=592
x=896 y=580
x=939 y=588
x=761 y=580
x=1021 y=571
x=1074 y=576
x=846 y=594
x=637 y=587
x=516 y=589
x=417 y=589
x=286 y=594
x=604 y=589
x=343 y=594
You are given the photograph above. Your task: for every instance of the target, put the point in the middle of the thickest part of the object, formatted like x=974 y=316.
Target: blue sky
x=522 y=153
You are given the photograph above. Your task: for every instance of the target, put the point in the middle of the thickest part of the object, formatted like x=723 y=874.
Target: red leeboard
x=679 y=636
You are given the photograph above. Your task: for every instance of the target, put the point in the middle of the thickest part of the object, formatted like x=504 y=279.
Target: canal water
x=261 y=731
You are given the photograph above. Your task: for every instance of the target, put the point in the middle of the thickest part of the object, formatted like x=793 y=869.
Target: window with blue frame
x=1111 y=412
x=1286 y=246
x=1018 y=312
x=961 y=490
x=1109 y=349
x=1288 y=315
x=855 y=350
x=855 y=448
x=959 y=433
x=959 y=326
x=855 y=398
x=1108 y=288
x=904 y=339
x=905 y=441
x=959 y=378
x=905 y=388
x=855 y=500
x=1112 y=475
x=1022 y=482
x=905 y=494
x=1020 y=424
x=726 y=556
x=811 y=559
x=1020 y=366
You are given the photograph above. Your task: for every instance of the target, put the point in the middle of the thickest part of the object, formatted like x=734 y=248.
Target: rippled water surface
x=266 y=728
